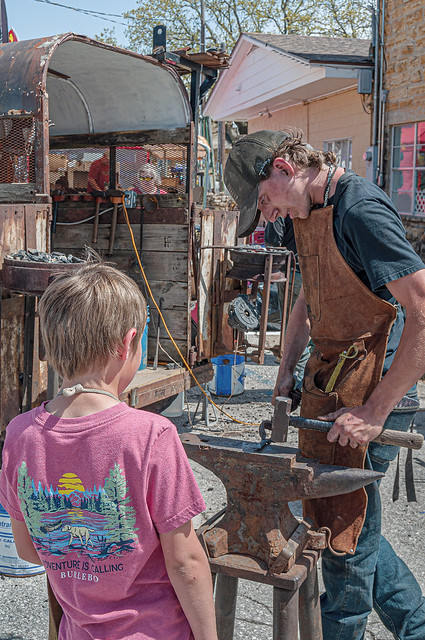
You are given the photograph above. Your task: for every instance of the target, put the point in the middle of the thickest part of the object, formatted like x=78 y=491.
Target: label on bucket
x=10 y=563
x=229 y=375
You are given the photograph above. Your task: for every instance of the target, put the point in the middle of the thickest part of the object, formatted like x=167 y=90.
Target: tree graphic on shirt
x=28 y=500
x=120 y=515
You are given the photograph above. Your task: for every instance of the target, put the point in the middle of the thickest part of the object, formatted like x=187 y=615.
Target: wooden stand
x=296 y=602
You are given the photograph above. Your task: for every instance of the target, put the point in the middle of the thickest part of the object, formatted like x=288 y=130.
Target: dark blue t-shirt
x=371 y=238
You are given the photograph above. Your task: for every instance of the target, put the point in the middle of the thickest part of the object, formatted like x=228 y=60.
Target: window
x=342 y=150
x=408 y=169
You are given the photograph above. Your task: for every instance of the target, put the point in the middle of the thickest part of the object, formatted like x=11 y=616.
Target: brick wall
x=332 y=118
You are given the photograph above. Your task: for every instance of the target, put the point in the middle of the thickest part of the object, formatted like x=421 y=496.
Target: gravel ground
x=24 y=609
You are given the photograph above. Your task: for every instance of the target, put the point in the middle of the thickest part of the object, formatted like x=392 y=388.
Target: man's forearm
x=296 y=335
x=407 y=367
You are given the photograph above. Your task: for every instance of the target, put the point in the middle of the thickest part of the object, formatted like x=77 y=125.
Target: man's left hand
x=354 y=426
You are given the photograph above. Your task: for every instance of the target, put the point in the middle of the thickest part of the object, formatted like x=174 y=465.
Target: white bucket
x=10 y=563
x=229 y=375
x=175 y=409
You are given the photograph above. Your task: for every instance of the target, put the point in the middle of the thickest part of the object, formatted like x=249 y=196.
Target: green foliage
x=225 y=20
x=108 y=37
x=121 y=517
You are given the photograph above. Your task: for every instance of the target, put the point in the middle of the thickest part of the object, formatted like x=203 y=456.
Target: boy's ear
x=124 y=349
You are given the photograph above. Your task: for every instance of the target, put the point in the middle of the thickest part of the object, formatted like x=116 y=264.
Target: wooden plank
x=18 y=192
x=171 y=352
x=205 y=286
x=165 y=266
x=180 y=135
x=166 y=216
x=11 y=357
x=81 y=234
x=171 y=238
x=12 y=229
x=175 y=319
x=174 y=294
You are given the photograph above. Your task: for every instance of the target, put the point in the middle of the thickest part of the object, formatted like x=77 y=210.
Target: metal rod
x=285 y=614
x=309 y=608
x=158 y=327
x=265 y=308
x=226 y=591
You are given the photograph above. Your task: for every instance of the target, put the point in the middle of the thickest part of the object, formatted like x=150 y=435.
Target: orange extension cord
x=186 y=364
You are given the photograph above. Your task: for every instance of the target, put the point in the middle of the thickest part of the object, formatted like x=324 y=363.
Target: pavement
x=24 y=607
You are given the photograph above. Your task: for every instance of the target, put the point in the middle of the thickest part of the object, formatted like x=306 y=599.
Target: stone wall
x=415 y=233
x=405 y=60
x=405 y=81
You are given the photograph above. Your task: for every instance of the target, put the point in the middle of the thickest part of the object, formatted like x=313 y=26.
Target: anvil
x=259 y=484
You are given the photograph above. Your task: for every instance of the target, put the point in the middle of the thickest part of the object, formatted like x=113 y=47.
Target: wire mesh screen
x=17 y=150
x=148 y=169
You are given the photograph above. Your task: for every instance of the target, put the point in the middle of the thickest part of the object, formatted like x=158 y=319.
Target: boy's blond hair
x=84 y=316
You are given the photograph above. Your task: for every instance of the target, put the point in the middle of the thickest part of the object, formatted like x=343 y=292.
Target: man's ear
x=283 y=165
x=124 y=349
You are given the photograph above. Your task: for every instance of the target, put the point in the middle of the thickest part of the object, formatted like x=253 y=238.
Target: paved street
x=24 y=610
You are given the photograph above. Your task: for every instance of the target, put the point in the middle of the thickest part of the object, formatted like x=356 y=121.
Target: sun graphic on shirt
x=69 y=483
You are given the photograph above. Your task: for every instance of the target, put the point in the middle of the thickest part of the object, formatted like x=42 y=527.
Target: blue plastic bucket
x=144 y=360
x=229 y=375
x=10 y=563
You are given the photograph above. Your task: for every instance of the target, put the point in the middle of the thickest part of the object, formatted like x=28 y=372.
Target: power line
x=94 y=14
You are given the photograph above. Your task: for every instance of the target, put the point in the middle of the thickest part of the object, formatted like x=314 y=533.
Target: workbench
x=151 y=386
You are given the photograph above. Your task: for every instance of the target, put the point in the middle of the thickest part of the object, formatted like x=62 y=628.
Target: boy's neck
x=80 y=403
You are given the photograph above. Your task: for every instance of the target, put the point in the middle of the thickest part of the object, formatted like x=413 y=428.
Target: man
x=358 y=271
x=98 y=177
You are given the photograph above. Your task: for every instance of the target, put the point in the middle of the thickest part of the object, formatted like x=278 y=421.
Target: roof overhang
x=262 y=78
x=81 y=76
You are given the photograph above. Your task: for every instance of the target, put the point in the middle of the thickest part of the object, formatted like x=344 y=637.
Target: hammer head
x=280 y=422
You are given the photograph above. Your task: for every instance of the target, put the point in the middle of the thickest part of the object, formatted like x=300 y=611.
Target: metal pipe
x=375 y=41
x=83 y=100
x=382 y=97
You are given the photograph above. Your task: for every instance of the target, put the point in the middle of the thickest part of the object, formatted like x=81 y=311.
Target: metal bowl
x=248 y=263
x=32 y=278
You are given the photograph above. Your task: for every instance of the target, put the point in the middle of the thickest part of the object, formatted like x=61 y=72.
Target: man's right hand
x=285 y=383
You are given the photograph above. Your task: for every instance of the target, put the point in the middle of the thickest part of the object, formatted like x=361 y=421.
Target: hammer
x=282 y=419
x=100 y=197
x=115 y=196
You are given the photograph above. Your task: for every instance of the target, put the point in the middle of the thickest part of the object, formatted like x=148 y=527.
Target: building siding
x=331 y=118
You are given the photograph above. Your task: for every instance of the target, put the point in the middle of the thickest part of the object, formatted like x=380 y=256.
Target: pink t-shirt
x=94 y=493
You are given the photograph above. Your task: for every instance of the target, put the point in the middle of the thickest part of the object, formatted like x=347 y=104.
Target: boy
x=100 y=493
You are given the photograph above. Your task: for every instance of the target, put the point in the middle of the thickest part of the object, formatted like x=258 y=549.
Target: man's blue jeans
x=375 y=577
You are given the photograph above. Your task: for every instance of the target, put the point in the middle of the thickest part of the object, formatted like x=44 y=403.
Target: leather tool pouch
x=344 y=515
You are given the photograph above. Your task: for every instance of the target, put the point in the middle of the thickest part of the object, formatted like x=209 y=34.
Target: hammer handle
x=388 y=436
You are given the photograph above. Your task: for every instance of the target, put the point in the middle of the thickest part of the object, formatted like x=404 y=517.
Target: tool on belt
x=282 y=419
x=349 y=354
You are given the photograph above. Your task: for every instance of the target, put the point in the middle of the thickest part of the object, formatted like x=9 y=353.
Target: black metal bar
x=195 y=79
x=29 y=335
x=112 y=167
x=309 y=608
x=285 y=614
x=226 y=591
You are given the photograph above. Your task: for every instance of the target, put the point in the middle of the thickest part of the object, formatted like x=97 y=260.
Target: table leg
x=226 y=591
x=285 y=614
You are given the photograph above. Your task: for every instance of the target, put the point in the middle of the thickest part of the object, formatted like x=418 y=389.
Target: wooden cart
x=63 y=101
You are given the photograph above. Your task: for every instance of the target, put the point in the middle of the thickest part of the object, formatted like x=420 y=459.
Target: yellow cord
x=186 y=364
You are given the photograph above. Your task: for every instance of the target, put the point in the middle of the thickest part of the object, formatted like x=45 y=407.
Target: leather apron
x=343 y=313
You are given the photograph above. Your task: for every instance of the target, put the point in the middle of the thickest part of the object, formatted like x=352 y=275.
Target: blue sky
x=32 y=19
